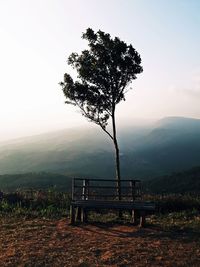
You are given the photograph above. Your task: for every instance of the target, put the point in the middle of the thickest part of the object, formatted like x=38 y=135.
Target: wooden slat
x=106 y=180
x=101 y=195
x=105 y=187
x=114 y=204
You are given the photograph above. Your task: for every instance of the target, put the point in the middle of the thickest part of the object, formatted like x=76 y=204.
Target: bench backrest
x=98 y=189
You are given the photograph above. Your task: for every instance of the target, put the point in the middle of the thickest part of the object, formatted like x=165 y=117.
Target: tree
x=104 y=72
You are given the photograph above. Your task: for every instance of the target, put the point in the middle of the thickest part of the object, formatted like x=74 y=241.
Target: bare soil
x=45 y=242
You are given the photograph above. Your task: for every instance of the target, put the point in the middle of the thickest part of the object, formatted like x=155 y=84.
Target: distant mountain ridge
x=178 y=123
x=170 y=144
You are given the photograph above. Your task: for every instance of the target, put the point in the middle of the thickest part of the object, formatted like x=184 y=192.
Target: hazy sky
x=37 y=36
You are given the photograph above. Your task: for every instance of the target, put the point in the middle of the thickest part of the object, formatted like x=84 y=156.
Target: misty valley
x=146 y=151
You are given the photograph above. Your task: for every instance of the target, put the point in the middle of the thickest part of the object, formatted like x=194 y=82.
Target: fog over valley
x=146 y=150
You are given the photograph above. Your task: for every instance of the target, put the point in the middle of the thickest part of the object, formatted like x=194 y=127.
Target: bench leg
x=134 y=217
x=72 y=215
x=142 y=218
x=83 y=215
x=86 y=216
x=78 y=214
x=120 y=214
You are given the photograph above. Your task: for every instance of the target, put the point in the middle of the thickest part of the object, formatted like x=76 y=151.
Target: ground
x=50 y=242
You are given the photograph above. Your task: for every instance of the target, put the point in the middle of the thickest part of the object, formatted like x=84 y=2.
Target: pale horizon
x=38 y=36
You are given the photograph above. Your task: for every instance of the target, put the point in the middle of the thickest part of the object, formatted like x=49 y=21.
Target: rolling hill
x=147 y=151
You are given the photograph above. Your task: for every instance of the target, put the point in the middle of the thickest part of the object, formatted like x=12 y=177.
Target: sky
x=37 y=36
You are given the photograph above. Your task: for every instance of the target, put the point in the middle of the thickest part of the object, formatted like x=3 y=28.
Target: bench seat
x=114 y=204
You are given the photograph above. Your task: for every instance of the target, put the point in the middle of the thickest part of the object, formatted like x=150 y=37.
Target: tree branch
x=104 y=129
x=95 y=121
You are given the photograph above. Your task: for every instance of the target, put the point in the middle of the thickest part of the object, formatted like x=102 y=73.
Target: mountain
x=52 y=151
x=146 y=151
x=179 y=123
x=173 y=144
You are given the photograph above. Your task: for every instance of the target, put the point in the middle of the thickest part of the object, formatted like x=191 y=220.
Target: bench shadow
x=149 y=231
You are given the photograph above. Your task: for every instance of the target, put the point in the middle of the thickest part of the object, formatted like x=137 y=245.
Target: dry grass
x=51 y=242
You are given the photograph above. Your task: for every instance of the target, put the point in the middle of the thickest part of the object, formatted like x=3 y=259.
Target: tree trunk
x=117 y=160
x=117 y=165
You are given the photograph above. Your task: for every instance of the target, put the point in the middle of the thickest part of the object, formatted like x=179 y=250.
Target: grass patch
x=187 y=221
x=35 y=203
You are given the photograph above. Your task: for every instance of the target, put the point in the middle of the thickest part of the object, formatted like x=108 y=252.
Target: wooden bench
x=97 y=194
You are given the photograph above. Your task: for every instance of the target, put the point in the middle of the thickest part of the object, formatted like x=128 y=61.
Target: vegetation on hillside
x=35 y=181
x=178 y=183
x=185 y=182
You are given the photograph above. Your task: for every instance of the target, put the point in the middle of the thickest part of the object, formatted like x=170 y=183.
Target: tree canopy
x=104 y=72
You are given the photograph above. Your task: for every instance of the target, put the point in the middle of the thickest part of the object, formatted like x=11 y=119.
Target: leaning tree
x=104 y=72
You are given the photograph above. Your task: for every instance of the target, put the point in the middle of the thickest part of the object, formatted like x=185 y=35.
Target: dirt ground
x=42 y=242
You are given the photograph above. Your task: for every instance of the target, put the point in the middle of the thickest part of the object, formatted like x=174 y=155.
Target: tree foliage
x=104 y=72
